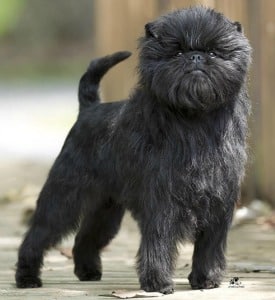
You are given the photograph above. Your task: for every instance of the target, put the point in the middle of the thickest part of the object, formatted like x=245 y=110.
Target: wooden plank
x=267 y=44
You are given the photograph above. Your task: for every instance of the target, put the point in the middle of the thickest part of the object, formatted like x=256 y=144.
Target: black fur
x=173 y=154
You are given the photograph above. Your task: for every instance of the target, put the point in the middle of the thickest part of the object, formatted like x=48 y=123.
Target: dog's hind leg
x=98 y=227
x=57 y=213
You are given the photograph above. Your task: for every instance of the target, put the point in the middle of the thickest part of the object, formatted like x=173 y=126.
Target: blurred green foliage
x=9 y=12
x=45 y=38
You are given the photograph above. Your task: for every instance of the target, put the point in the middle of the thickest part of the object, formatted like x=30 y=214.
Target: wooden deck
x=250 y=257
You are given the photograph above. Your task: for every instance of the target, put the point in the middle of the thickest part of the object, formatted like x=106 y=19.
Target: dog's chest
x=179 y=157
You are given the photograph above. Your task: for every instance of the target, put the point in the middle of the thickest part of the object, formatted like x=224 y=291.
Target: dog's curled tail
x=89 y=82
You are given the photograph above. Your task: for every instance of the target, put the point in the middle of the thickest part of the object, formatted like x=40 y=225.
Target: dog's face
x=195 y=59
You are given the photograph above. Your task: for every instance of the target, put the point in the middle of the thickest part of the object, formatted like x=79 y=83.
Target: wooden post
x=266 y=76
x=119 y=24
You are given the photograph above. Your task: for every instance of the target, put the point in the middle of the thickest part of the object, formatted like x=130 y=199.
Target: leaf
x=123 y=294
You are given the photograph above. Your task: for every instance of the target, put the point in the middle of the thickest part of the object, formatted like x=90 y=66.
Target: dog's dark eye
x=179 y=53
x=212 y=54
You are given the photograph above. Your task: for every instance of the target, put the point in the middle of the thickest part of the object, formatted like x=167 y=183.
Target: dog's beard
x=192 y=89
x=195 y=91
x=189 y=86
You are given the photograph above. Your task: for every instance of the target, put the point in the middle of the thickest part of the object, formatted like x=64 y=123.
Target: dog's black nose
x=196 y=58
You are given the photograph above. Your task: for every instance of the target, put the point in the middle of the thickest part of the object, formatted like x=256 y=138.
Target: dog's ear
x=238 y=26
x=150 y=30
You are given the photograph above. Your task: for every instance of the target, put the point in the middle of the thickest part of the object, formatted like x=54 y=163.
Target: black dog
x=173 y=154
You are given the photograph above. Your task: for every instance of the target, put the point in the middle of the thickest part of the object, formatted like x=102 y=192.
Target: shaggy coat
x=173 y=154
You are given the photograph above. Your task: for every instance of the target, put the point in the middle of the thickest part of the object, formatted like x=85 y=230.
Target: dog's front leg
x=209 y=254
x=156 y=256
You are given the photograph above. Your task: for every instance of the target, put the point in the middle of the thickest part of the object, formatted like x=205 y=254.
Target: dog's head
x=194 y=58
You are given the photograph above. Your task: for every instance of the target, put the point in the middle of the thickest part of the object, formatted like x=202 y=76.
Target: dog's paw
x=28 y=282
x=202 y=282
x=157 y=286
x=207 y=284
x=168 y=289
x=88 y=275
